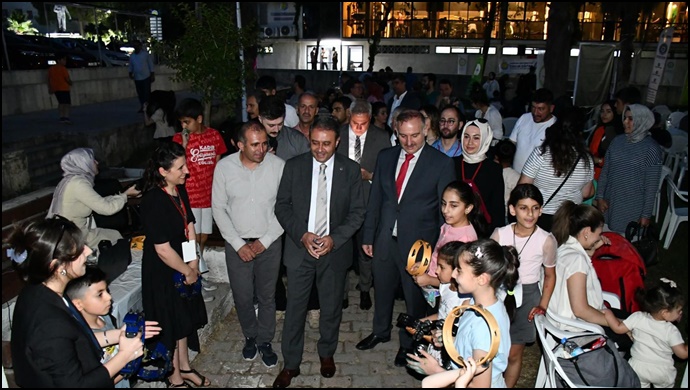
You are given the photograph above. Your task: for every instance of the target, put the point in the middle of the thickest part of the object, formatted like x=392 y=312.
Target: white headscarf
x=79 y=162
x=643 y=120
x=485 y=142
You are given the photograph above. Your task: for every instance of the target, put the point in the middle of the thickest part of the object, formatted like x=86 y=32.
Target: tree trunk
x=489 y=26
x=376 y=39
x=557 y=56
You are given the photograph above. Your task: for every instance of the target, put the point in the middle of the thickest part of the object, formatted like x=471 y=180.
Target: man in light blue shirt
x=141 y=71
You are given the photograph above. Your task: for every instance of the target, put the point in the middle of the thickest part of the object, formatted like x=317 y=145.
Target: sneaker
x=268 y=357
x=209 y=298
x=208 y=287
x=249 y=351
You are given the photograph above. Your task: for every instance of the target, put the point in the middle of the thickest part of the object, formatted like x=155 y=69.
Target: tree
x=376 y=39
x=561 y=30
x=18 y=24
x=207 y=54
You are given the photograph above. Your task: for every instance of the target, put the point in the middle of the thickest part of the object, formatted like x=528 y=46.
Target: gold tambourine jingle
x=449 y=340
x=425 y=248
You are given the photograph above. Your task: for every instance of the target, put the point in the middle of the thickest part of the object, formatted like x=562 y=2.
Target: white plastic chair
x=665 y=171
x=674 y=215
x=550 y=335
x=663 y=111
x=674 y=118
x=508 y=124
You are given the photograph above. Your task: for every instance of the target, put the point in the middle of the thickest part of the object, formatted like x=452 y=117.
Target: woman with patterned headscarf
x=75 y=198
x=483 y=174
x=630 y=178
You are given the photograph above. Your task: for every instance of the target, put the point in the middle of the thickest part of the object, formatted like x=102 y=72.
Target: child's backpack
x=620 y=270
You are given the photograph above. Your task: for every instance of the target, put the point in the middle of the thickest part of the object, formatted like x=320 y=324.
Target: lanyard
x=181 y=209
x=471 y=181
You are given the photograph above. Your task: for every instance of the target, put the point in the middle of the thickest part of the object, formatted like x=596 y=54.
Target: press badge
x=189 y=251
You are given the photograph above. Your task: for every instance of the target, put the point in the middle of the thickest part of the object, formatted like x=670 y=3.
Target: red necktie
x=403 y=171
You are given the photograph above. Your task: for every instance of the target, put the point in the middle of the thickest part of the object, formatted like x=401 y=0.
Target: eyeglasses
x=443 y=121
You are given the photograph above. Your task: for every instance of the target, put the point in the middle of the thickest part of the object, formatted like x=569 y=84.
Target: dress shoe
x=371 y=341
x=327 y=367
x=364 y=300
x=285 y=377
x=401 y=357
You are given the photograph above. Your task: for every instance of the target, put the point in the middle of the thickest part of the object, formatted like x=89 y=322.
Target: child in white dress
x=655 y=338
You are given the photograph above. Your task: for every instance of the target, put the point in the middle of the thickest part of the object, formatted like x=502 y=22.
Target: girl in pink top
x=464 y=218
x=536 y=248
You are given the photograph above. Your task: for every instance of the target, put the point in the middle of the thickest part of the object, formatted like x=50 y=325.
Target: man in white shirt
x=245 y=186
x=401 y=98
x=530 y=128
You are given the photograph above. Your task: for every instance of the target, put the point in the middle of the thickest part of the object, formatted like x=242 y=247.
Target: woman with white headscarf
x=75 y=198
x=629 y=180
x=483 y=174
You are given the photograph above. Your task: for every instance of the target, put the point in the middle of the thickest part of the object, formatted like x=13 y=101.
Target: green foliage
x=207 y=54
x=18 y=24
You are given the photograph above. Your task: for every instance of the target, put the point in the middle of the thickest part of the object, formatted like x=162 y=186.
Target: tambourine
x=186 y=291
x=448 y=339
x=412 y=258
x=143 y=366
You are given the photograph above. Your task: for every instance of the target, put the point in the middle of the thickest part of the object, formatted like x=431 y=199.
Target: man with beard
x=452 y=120
x=307 y=108
x=530 y=128
x=285 y=142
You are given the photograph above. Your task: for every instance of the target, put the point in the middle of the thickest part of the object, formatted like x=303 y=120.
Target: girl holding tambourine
x=481 y=268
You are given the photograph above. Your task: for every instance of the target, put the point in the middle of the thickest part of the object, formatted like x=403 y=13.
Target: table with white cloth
x=126 y=289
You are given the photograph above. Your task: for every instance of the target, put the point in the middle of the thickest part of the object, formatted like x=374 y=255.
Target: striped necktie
x=321 y=221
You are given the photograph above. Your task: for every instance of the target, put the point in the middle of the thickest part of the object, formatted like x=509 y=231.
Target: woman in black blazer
x=52 y=345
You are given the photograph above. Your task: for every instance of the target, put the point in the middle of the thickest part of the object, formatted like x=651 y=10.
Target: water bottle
x=571 y=347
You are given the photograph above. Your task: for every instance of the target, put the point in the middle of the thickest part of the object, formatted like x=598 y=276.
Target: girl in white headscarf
x=483 y=174
x=629 y=180
x=75 y=199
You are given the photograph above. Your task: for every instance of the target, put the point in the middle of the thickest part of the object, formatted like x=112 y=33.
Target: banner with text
x=662 y=49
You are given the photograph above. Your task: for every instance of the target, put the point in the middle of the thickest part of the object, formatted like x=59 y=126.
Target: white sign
x=517 y=65
x=662 y=49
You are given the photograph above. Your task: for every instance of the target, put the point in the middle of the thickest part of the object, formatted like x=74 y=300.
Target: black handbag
x=600 y=367
x=645 y=239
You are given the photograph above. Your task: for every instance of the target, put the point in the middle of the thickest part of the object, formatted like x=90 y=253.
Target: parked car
x=24 y=56
x=75 y=59
x=107 y=57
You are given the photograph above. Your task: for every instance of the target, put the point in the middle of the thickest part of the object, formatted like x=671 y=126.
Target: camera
x=417 y=328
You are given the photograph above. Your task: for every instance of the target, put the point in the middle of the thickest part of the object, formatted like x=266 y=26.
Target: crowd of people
x=352 y=183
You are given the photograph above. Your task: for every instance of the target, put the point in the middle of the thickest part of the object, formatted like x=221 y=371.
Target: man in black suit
x=404 y=206
x=320 y=205
x=361 y=141
x=402 y=97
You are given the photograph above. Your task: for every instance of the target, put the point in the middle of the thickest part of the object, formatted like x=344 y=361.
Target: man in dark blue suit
x=318 y=245
x=404 y=206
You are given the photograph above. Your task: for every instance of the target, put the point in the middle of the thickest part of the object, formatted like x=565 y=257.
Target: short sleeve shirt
x=202 y=154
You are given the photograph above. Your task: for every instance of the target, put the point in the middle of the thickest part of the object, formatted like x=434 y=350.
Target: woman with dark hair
x=483 y=174
x=380 y=117
x=630 y=178
x=608 y=127
x=578 y=294
x=431 y=115
x=561 y=167
x=52 y=345
x=168 y=223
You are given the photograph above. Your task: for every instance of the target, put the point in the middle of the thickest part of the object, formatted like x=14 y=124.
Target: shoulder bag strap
x=577 y=160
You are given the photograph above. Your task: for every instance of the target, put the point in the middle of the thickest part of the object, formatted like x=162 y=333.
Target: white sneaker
x=209 y=287
x=209 y=298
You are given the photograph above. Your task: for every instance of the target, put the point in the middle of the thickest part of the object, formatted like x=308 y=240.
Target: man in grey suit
x=361 y=141
x=320 y=205
x=404 y=206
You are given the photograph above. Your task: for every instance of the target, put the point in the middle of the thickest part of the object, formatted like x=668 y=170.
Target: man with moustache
x=530 y=128
x=307 y=108
x=245 y=186
x=452 y=120
x=320 y=205
x=361 y=141
x=404 y=206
